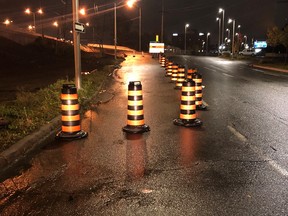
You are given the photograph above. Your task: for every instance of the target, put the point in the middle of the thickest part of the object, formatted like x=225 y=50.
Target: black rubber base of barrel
x=71 y=136
x=201 y=107
x=187 y=123
x=136 y=129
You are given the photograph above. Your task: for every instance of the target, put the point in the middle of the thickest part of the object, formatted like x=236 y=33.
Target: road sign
x=79 y=27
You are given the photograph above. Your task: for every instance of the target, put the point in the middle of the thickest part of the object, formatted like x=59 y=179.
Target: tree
x=278 y=36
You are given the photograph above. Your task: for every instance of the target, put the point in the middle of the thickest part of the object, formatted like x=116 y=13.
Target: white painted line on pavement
x=208 y=68
x=258 y=70
x=206 y=104
x=270 y=74
x=237 y=134
x=228 y=75
x=272 y=163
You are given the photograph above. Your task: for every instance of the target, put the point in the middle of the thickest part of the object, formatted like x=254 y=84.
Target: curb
x=270 y=68
x=29 y=144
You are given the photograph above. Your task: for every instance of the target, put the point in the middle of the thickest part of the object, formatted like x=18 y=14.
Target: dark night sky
x=254 y=16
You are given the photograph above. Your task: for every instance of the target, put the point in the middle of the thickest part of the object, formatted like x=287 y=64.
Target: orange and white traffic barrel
x=190 y=71
x=188 y=106
x=71 y=128
x=197 y=78
x=180 y=77
x=174 y=72
x=163 y=61
x=169 y=68
x=135 y=114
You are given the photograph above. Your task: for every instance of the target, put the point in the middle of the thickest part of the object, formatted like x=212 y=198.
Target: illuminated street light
x=55 y=24
x=130 y=4
x=39 y=11
x=186 y=26
x=7 y=22
x=233 y=33
x=221 y=10
x=82 y=11
x=239 y=26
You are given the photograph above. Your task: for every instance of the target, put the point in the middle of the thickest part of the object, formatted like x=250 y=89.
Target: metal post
x=219 y=34
x=76 y=41
x=233 y=38
x=140 y=22
x=223 y=24
x=34 y=21
x=162 y=23
x=115 y=31
x=185 y=40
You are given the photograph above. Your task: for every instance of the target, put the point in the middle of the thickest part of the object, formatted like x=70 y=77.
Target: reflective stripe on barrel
x=190 y=71
x=163 y=59
x=135 y=113
x=188 y=107
x=70 y=109
x=197 y=78
x=180 y=76
x=169 y=69
x=174 y=72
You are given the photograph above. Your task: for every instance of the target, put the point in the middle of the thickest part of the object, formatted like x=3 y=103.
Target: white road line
x=270 y=74
x=225 y=74
x=207 y=68
x=237 y=134
x=258 y=70
x=272 y=163
x=206 y=104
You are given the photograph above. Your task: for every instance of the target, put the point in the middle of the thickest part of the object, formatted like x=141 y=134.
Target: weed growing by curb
x=31 y=110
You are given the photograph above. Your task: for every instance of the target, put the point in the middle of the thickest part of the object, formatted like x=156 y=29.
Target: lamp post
x=186 y=26
x=239 y=27
x=207 y=44
x=39 y=11
x=228 y=33
x=115 y=30
x=221 y=10
x=219 y=31
x=130 y=4
x=76 y=42
x=233 y=35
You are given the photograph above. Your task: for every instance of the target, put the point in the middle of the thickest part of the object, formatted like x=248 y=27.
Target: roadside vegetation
x=33 y=109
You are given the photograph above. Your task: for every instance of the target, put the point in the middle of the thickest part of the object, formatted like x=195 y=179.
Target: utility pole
x=162 y=22
x=76 y=42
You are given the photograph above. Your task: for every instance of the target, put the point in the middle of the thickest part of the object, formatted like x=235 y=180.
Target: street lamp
x=207 y=39
x=39 y=11
x=186 y=26
x=130 y=4
x=233 y=35
x=221 y=10
x=219 y=31
x=7 y=22
x=239 y=26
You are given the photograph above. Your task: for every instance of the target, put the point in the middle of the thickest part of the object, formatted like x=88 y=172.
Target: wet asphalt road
x=235 y=164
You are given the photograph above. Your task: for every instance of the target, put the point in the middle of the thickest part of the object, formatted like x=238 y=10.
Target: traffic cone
x=190 y=71
x=135 y=115
x=188 y=107
x=180 y=77
x=169 y=68
x=71 y=128
x=174 y=72
x=197 y=78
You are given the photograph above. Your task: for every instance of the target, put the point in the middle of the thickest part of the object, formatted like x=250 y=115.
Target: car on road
x=249 y=52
